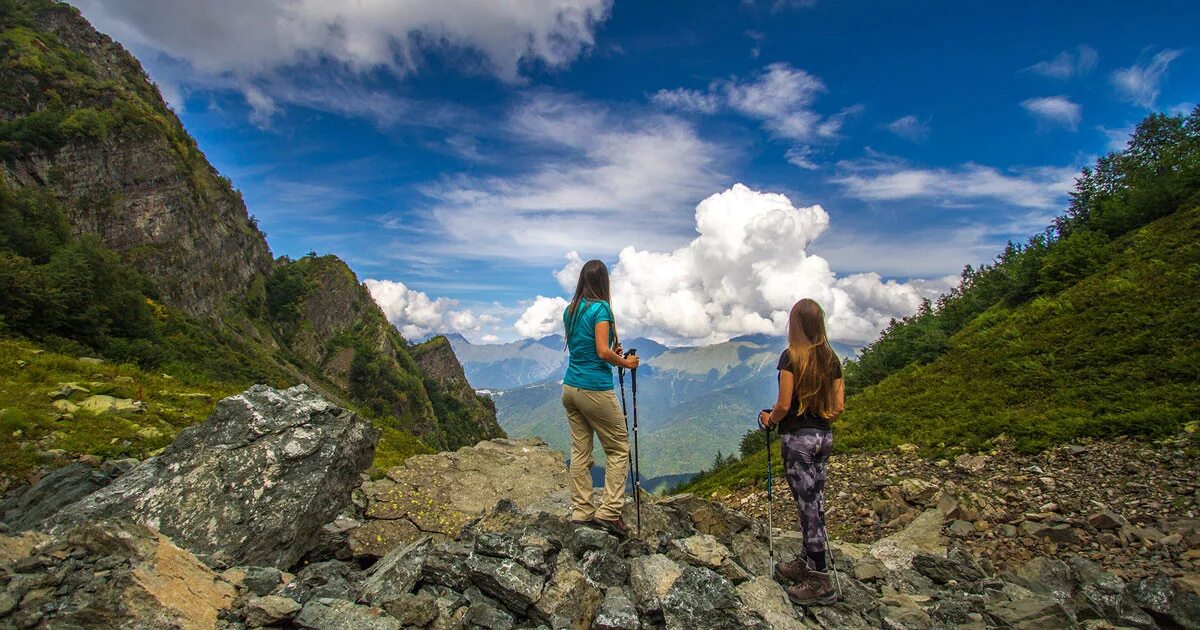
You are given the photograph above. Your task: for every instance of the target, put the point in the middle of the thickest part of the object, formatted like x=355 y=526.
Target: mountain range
x=693 y=401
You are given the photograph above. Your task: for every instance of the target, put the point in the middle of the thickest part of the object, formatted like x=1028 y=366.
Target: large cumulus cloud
x=417 y=315
x=747 y=266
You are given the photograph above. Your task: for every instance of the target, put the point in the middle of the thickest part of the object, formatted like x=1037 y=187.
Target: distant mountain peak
x=762 y=339
x=454 y=337
x=555 y=341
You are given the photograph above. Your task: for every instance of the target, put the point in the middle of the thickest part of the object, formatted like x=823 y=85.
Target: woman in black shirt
x=811 y=395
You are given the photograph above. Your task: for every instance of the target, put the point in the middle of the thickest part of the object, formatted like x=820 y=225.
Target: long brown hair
x=592 y=285
x=812 y=359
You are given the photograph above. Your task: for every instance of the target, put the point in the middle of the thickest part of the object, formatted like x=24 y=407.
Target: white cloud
x=266 y=40
x=1141 y=83
x=606 y=179
x=1118 y=138
x=543 y=317
x=687 y=100
x=1054 y=111
x=417 y=315
x=881 y=178
x=780 y=96
x=801 y=156
x=741 y=274
x=1182 y=109
x=1067 y=64
x=909 y=127
x=758 y=37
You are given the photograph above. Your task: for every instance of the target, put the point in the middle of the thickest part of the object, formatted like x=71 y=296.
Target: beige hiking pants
x=596 y=412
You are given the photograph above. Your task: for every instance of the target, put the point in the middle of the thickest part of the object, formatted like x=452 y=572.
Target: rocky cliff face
x=134 y=177
x=80 y=120
x=466 y=412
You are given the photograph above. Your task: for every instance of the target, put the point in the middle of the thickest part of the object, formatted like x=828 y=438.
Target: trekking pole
x=770 y=502
x=837 y=582
x=625 y=414
x=637 y=465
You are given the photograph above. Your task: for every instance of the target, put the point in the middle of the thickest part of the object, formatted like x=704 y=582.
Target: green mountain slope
x=1118 y=353
x=119 y=240
x=1090 y=331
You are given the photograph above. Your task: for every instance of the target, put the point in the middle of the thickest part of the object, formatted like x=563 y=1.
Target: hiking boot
x=795 y=571
x=581 y=521
x=814 y=591
x=616 y=527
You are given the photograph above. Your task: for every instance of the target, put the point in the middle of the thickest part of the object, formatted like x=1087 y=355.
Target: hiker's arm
x=839 y=397
x=787 y=383
x=608 y=354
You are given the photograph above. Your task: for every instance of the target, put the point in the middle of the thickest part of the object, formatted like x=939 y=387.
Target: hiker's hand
x=764 y=418
x=632 y=362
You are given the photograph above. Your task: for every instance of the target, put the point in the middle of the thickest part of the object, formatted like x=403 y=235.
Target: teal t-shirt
x=585 y=368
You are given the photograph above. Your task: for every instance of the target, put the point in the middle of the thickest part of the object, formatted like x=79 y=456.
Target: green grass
x=1116 y=354
x=29 y=422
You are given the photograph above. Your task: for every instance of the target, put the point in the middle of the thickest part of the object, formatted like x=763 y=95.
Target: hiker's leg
x=821 y=469
x=581 y=456
x=800 y=452
x=604 y=413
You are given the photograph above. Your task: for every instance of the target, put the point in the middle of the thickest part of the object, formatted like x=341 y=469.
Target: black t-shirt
x=810 y=419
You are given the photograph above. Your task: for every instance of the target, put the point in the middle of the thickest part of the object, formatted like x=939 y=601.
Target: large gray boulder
x=253 y=484
x=30 y=506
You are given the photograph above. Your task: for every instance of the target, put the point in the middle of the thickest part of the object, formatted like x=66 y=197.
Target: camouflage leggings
x=806 y=460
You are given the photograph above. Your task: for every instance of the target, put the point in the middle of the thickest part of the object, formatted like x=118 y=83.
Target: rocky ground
x=1131 y=506
x=260 y=517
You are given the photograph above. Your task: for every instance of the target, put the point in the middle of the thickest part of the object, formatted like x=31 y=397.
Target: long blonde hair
x=812 y=359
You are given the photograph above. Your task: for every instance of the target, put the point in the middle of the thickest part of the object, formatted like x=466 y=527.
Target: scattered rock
x=260 y=581
x=869 y=571
x=971 y=464
x=412 y=609
x=571 y=600
x=394 y=574
x=961 y=529
x=650 y=579
x=1032 y=612
x=269 y=610
x=702 y=550
x=958 y=567
x=13 y=548
x=701 y=599
x=67 y=390
x=617 y=612
x=506 y=580
x=253 y=484
x=764 y=595
x=918 y=492
x=330 y=579
x=101 y=403
x=65 y=406
x=923 y=534
x=1168 y=601
x=337 y=614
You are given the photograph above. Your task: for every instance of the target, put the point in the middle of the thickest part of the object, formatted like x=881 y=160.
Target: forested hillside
x=1088 y=329
x=119 y=241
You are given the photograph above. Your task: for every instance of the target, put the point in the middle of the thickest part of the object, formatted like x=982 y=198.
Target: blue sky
x=457 y=152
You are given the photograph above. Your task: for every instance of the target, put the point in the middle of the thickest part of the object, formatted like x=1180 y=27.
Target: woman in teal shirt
x=590 y=403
